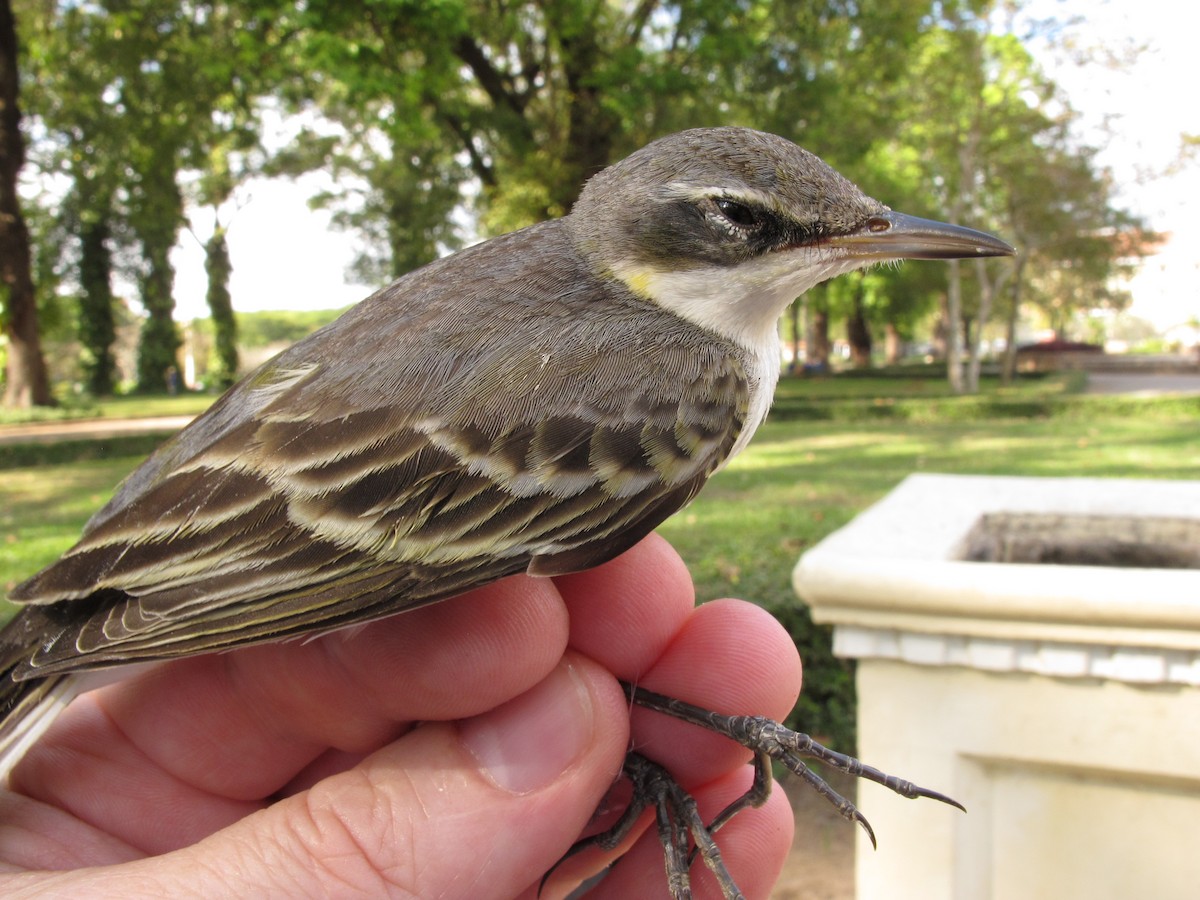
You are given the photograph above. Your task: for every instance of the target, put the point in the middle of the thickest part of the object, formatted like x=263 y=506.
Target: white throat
x=742 y=303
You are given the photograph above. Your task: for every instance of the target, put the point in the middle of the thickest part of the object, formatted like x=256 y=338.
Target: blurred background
x=185 y=159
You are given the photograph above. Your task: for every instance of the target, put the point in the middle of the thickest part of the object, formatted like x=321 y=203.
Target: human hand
x=456 y=750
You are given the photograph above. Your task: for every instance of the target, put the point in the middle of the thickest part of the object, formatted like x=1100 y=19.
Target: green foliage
x=446 y=118
x=270 y=327
x=70 y=452
x=980 y=138
x=218 y=268
x=127 y=97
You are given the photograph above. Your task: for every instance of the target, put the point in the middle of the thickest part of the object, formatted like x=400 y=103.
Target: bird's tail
x=26 y=710
x=28 y=702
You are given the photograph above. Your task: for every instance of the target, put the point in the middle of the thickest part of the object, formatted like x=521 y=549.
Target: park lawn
x=917 y=381
x=131 y=406
x=134 y=406
x=900 y=385
x=800 y=480
x=43 y=508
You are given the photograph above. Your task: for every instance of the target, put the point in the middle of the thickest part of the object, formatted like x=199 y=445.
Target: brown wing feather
x=404 y=454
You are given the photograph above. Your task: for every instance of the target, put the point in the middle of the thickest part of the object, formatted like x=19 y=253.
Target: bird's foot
x=684 y=834
x=768 y=740
x=680 y=829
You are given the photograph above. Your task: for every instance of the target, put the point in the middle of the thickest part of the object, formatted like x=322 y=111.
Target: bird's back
x=502 y=410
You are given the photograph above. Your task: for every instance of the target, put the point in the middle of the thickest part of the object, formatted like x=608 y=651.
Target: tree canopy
x=448 y=119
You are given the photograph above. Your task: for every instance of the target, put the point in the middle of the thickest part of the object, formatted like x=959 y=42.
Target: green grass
x=43 y=508
x=24 y=455
x=924 y=381
x=135 y=406
x=801 y=479
x=131 y=406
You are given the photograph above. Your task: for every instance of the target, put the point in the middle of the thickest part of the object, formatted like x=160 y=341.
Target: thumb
x=476 y=809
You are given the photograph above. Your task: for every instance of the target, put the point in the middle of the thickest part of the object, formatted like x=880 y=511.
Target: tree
x=27 y=382
x=948 y=122
x=990 y=139
x=1073 y=241
x=833 y=79
x=226 y=144
x=218 y=267
x=97 y=320
x=146 y=106
x=156 y=215
x=82 y=142
x=102 y=80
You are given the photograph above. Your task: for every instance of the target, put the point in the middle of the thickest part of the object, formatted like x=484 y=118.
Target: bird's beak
x=893 y=235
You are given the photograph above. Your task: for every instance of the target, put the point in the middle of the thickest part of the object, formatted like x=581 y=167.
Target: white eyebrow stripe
x=689 y=190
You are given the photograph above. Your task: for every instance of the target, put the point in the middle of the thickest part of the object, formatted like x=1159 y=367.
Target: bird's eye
x=736 y=213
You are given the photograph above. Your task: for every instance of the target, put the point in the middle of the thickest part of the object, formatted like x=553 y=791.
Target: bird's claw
x=681 y=830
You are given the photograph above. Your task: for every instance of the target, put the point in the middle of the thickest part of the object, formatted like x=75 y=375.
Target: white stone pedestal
x=1059 y=703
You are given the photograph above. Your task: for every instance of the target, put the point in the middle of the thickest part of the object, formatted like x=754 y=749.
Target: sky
x=286 y=256
x=1136 y=114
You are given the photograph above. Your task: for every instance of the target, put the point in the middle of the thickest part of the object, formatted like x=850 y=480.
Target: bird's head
x=727 y=226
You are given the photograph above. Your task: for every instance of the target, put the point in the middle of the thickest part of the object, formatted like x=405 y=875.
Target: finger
x=219 y=733
x=468 y=810
x=730 y=657
x=626 y=612
x=36 y=836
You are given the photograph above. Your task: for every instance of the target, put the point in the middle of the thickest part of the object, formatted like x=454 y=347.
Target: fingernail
x=530 y=741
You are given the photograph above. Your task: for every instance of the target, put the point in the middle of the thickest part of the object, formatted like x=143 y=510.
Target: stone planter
x=1031 y=647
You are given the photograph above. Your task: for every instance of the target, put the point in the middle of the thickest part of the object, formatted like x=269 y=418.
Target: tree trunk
x=159 y=341
x=967 y=171
x=28 y=383
x=858 y=331
x=157 y=224
x=794 y=314
x=97 y=325
x=989 y=288
x=893 y=344
x=818 y=342
x=938 y=340
x=954 y=370
x=218 y=269
x=1009 y=371
x=974 y=351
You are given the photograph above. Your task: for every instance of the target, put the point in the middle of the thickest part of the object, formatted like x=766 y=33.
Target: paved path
x=88 y=429
x=1143 y=384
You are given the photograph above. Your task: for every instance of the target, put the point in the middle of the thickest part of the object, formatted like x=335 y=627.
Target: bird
x=537 y=403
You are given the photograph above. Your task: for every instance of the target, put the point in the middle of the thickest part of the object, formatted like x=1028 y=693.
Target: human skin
x=456 y=750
